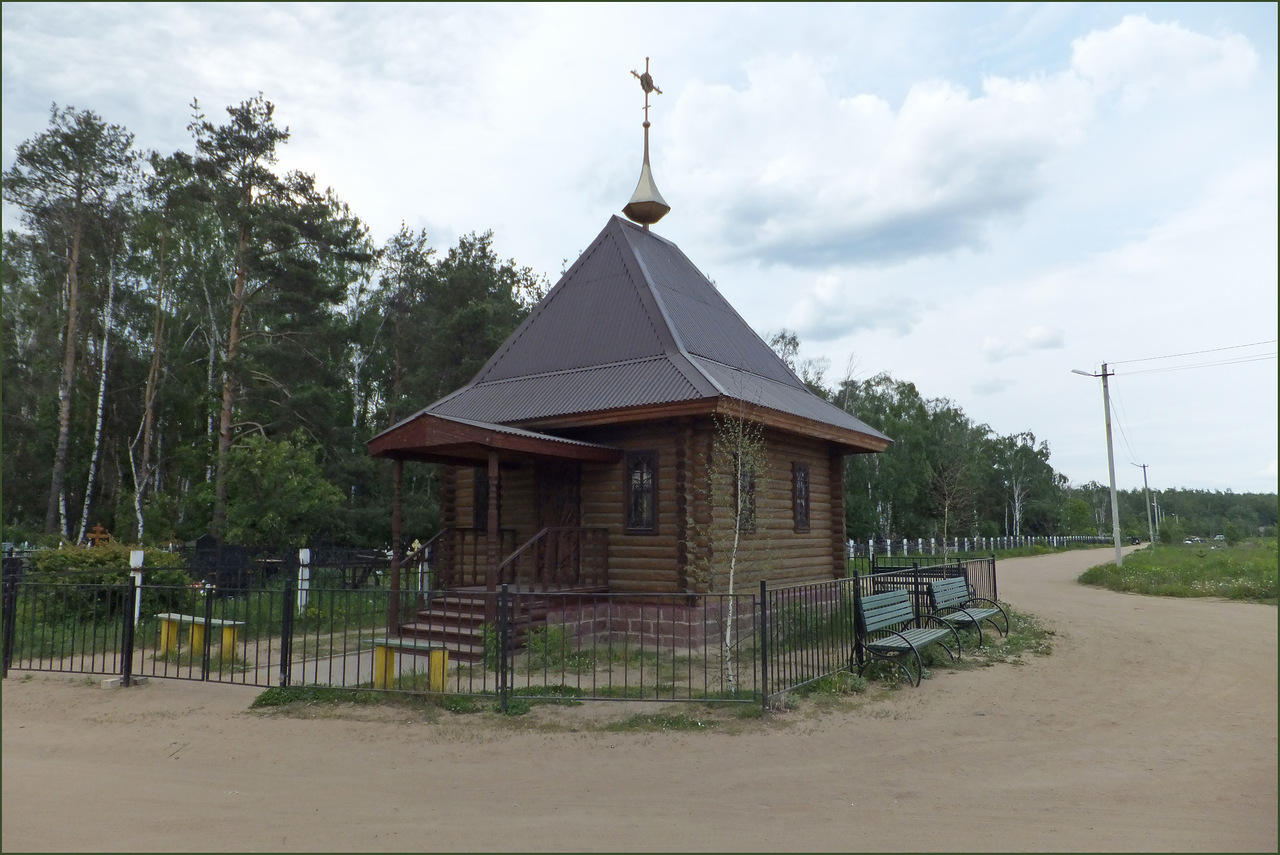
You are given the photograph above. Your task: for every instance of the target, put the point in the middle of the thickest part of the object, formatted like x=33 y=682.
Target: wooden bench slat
x=952 y=601
x=889 y=629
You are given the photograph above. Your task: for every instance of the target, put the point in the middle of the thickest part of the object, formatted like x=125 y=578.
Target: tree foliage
x=249 y=306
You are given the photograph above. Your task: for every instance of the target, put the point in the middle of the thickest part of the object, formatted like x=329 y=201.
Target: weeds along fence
x=746 y=648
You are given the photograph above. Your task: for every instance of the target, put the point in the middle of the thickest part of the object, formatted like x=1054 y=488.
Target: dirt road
x=1152 y=726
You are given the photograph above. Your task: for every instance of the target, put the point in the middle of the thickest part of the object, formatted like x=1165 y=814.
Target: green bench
x=951 y=600
x=171 y=627
x=385 y=654
x=888 y=629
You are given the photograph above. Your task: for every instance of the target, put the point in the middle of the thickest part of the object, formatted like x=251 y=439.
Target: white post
x=304 y=577
x=135 y=562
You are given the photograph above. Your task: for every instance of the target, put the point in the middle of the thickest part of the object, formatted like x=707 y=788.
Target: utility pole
x=1111 y=462
x=1151 y=532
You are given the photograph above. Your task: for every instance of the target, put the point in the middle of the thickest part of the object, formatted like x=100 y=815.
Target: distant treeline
x=201 y=342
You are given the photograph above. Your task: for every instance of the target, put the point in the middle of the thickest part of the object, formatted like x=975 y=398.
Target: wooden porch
x=456 y=591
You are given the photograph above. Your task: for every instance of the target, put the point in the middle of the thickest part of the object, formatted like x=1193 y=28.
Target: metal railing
x=744 y=648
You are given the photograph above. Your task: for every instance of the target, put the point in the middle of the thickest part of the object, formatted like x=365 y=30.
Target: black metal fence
x=293 y=629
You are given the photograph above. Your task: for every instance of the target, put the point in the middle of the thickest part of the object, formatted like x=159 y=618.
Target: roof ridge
x=561 y=371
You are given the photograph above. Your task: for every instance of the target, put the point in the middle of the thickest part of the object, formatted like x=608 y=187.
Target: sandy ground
x=1152 y=726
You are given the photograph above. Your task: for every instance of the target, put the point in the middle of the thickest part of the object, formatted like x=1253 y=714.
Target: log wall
x=689 y=550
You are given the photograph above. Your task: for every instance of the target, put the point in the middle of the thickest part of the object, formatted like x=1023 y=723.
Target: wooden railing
x=454 y=558
x=559 y=558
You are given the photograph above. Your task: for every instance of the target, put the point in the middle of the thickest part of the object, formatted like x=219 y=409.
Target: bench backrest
x=950 y=593
x=887 y=610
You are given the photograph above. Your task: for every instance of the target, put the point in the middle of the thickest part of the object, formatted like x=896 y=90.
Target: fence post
x=504 y=687
x=764 y=646
x=132 y=597
x=304 y=578
x=10 y=615
x=917 y=592
x=208 y=635
x=286 y=631
x=136 y=557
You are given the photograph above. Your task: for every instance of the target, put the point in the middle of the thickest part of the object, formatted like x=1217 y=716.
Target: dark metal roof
x=442 y=439
x=633 y=323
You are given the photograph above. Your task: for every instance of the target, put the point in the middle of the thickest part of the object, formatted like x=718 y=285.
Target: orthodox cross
x=646 y=83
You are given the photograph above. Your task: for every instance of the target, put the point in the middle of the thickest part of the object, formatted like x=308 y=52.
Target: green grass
x=1245 y=571
x=662 y=722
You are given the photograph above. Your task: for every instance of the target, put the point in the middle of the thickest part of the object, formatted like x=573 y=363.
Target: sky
x=975 y=198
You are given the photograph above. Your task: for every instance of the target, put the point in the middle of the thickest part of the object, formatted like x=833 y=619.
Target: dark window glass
x=641 y=491
x=800 y=495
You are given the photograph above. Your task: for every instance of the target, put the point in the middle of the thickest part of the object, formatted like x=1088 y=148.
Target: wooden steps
x=455 y=620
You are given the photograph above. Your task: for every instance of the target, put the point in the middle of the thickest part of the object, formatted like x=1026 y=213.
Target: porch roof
x=434 y=438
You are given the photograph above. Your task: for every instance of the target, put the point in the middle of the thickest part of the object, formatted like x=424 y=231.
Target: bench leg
x=229 y=643
x=197 y=637
x=168 y=635
x=437 y=669
x=384 y=666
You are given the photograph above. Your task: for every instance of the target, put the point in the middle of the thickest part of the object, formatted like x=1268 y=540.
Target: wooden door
x=559 y=488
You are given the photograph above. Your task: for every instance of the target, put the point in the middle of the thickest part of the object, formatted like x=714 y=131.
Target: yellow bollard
x=228 y=643
x=197 y=636
x=168 y=634
x=437 y=669
x=384 y=666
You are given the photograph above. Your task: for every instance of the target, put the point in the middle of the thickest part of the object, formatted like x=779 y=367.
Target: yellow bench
x=171 y=626
x=385 y=652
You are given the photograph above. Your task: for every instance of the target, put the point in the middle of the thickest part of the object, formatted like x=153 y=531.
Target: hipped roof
x=634 y=331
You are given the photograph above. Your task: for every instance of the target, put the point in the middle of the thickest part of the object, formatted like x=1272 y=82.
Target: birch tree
x=65 y=180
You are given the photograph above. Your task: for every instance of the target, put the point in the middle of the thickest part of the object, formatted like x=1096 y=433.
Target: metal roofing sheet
x=594 y=316
x=604 y=387
x=703 y=319
x=754 y=389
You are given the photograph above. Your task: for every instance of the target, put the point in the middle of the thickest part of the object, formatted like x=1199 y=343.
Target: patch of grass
x=1245 y=571
x=279 y=696
x=839 y=683
x=553 y=648
x=558 y=694
x=660 y=721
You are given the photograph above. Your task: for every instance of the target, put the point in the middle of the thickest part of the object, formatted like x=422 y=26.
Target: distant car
x=1135 y=540
x=1219 y=537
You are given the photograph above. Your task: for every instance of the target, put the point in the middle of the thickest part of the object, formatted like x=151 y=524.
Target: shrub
x=94 y=578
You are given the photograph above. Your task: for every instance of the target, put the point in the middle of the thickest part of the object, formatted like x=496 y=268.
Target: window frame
x=649 y=455
x=801 y=498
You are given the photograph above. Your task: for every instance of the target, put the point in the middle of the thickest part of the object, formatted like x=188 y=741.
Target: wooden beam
x=491 y=572
x=393 y=607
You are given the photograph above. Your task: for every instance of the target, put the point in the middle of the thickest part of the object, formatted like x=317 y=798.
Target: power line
x=1194 y=353
x=1120 y=424
x=1239 y=361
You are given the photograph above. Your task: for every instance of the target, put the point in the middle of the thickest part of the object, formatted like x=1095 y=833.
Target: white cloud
x=1037 y=337
x=795 y=172
x=1139 y=57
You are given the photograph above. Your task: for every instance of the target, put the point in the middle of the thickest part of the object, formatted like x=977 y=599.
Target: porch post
x=393 y=606
x=491 y=572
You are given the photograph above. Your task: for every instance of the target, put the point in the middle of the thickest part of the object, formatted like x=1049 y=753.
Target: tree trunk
x=143 y=475
x=228 y=389
x=102 y=395
x=57 y=502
